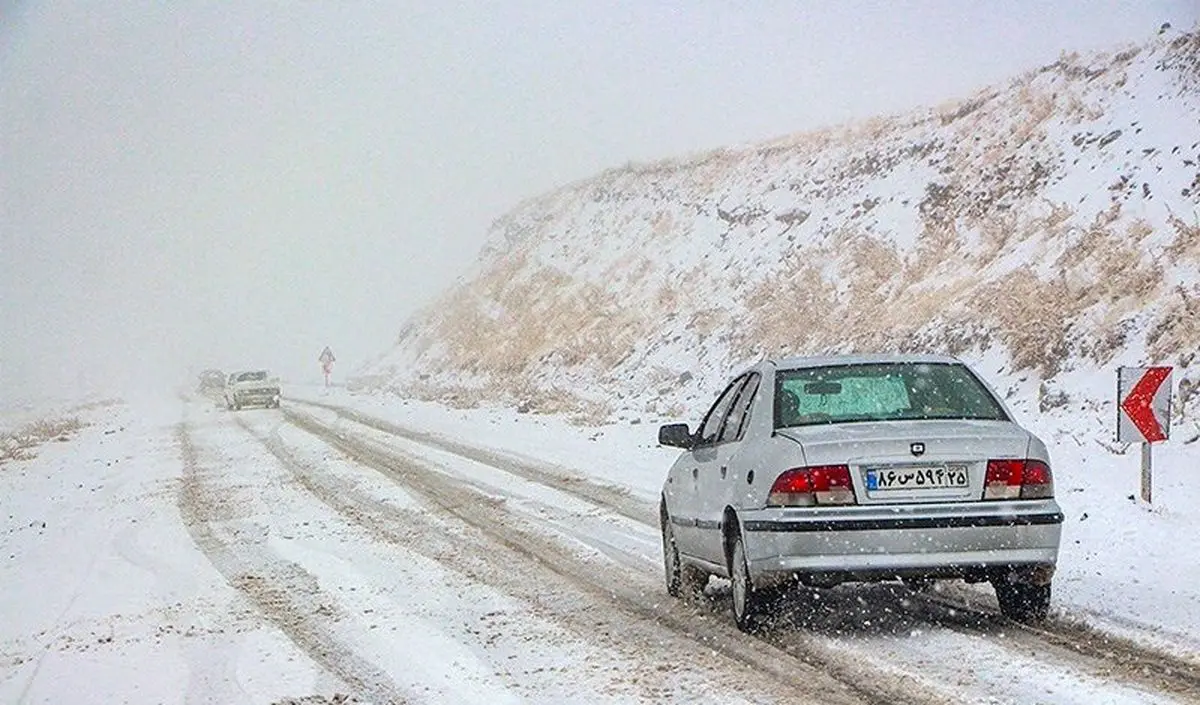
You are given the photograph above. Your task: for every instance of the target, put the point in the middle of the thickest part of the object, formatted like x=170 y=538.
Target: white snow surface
x=178 y=553
x=104 y=597
x=1125 y=567
x=110 y=591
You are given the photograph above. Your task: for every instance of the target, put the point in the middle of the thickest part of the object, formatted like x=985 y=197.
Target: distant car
x=211 y=381
x=251 y=388
x=863 y=468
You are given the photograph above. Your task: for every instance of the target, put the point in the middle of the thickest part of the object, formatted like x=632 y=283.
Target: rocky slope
x=1041 y=227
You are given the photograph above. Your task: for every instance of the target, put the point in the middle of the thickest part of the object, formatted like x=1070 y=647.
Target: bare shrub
x=1187 y=239
x=19 y=444
x=1030 y=315
x=1183 y=57
x=1039 y=106
x=790 y=309
x=1177 y=324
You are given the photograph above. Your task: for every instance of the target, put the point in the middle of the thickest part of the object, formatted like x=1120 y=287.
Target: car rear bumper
x=257 y=396
x=931 y=540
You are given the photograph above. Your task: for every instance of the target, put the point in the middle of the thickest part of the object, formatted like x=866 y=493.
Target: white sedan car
x=863 y=468
x=251 y=387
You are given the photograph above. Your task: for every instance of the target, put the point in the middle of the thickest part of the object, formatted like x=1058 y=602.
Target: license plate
x=918 y=478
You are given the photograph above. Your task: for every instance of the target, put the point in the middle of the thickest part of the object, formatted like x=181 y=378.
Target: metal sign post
x=1147 y=475
x=1144 y=413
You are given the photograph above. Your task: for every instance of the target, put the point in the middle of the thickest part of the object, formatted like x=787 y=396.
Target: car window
x=252 y=376
x=739 y=411
x=881 y=391
x=711 y=428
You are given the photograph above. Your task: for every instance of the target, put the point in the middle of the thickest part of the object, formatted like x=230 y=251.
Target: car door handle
x=695 y=473
x=724 y=469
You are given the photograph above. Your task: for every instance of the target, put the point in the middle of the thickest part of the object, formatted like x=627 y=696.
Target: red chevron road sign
x=1144 y=404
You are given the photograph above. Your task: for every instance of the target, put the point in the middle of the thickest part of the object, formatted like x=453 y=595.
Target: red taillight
x=1005 y=472
x=795 y=481
x=1037 y=482
x=828 y=478
x=815 y=484
x=1018 y=479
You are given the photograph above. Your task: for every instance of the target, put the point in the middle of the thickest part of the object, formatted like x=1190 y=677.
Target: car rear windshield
x=252 y=376
x=881 y=392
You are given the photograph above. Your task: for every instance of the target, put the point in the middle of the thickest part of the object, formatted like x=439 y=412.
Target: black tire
x=683 y=581
x=1022 y=602
x=918 y=584
x=747 y=602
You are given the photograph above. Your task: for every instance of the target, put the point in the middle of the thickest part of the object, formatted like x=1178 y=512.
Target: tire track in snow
x=583 y=608
x=800 y=663
x=274 y=586
x=1109 y=657
x=613 y=498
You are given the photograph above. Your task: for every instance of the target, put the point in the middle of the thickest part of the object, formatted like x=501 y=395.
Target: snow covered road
x=865 y=621
x=196 y=555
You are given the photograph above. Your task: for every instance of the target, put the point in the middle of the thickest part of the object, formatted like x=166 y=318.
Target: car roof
x=862 y=359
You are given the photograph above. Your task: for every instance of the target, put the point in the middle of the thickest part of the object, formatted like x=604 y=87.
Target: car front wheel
x=1022 y=602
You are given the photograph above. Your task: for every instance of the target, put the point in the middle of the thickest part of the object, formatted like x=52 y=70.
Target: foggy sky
x=194 y=184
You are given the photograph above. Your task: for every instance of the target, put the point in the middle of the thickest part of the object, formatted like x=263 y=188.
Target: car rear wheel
x=1022 y=602
x=747 y=602
x=682 y=580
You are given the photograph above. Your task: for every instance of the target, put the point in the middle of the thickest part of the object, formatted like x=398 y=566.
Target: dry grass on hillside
x=1186 y=244
x=994 y=265
x=526 y=396
x=1177 y=331
x=20 y=444
x=945 y=290
x=519 y=320
x=516 y=318
x=1183 y=56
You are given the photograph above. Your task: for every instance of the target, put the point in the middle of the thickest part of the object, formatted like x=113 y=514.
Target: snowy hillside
x=1042 y=228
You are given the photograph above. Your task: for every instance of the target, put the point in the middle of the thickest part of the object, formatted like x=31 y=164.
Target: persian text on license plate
x=918 y=478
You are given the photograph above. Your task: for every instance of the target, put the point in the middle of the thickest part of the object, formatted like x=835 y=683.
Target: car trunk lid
x=894 y=462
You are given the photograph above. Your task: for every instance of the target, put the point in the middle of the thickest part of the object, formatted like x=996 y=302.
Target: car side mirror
x=676 y=435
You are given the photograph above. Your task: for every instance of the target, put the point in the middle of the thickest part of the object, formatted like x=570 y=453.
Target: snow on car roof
x=861 y=359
